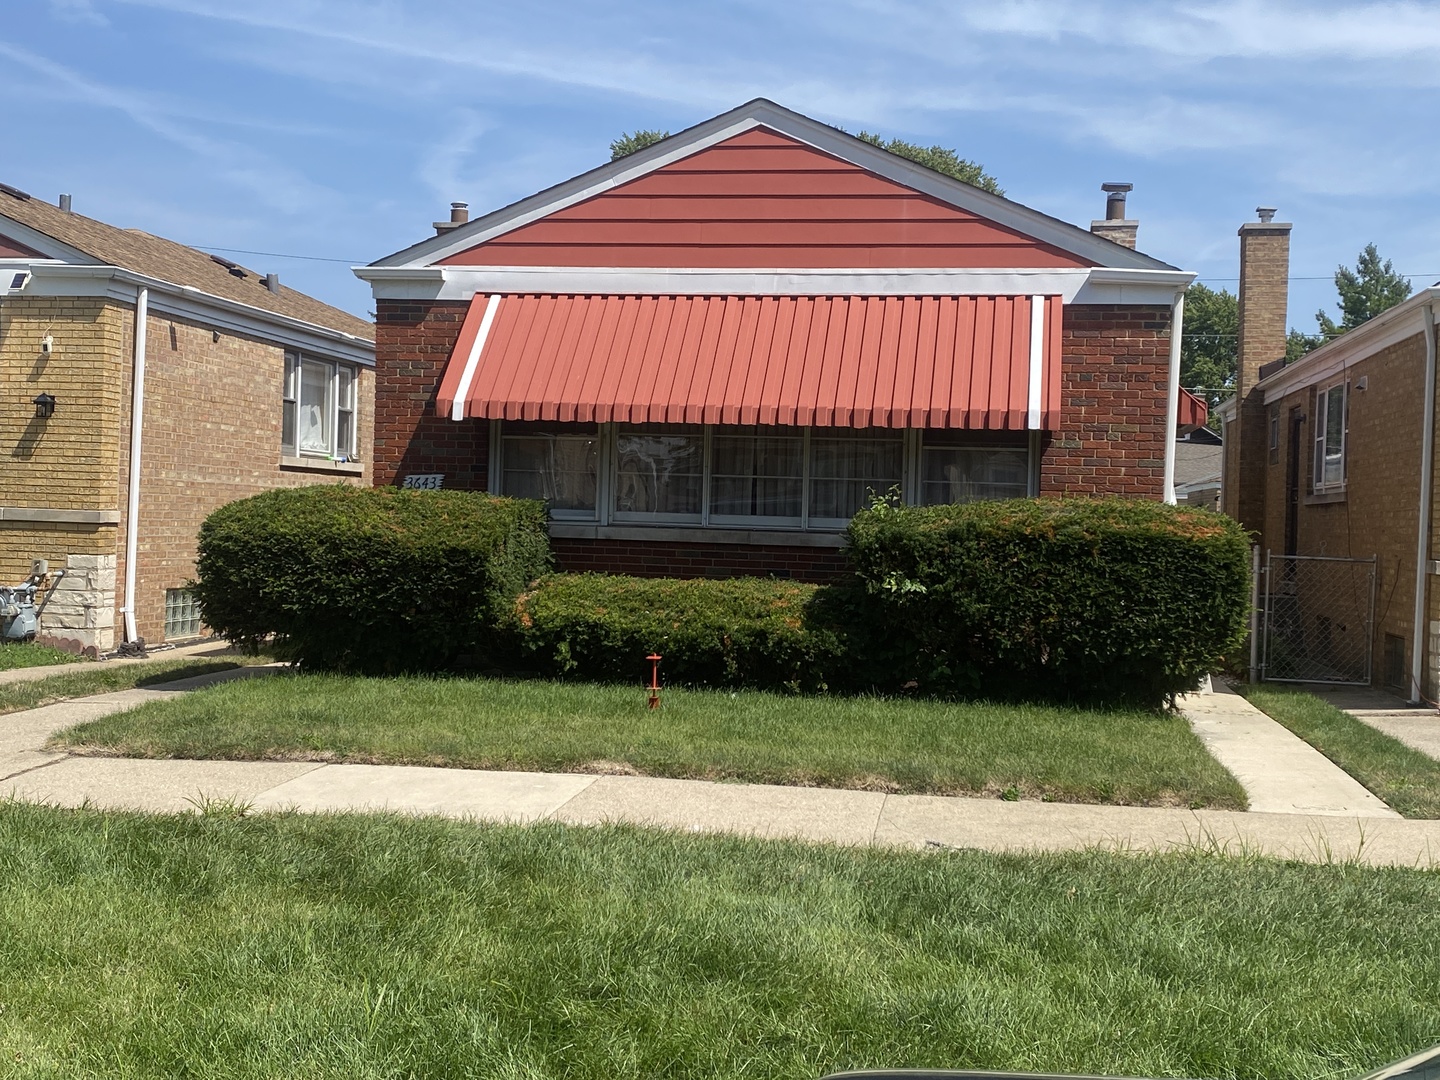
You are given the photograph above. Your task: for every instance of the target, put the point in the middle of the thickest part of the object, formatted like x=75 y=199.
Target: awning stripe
x=975 y=362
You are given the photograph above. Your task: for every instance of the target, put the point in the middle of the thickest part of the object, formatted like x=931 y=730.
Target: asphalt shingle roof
x=154 y=256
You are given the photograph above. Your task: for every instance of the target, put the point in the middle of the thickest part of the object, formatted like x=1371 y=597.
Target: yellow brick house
x=241 y=385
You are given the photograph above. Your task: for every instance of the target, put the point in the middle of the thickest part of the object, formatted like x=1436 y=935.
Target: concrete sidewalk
x=1417 y=728
x=28 y=771
x=44 y=671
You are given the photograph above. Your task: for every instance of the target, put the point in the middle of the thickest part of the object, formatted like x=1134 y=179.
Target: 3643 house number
x=430 y=481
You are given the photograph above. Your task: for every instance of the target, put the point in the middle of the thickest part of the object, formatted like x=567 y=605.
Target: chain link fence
x=1318 y=619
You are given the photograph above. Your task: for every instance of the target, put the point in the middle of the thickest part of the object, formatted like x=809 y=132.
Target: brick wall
x=1114 y=367
x=413 y=343
x=1377 y=513
x=212 y=435
x=651 y=558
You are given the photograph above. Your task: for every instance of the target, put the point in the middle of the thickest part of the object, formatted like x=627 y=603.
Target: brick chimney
x=1263 y=300
x=459 y=215
x=1116 y=226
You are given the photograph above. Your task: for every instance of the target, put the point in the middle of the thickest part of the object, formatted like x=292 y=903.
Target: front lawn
x=1015 y=751
x=25 y=654
x=137 y=946
x=1407 y=780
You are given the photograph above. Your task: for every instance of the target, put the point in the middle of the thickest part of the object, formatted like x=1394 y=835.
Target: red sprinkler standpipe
x=654 y=686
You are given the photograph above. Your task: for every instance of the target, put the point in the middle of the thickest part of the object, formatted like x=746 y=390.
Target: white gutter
x=1172 y=393
x=132 y=483
x=1422 y=544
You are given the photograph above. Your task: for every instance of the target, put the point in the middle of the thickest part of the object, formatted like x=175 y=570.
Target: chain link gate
x=1318 y=619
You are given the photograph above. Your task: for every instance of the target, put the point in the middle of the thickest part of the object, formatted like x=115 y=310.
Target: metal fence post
x=1254 y=613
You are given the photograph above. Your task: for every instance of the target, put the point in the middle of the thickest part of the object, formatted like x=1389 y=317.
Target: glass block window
x=182 y=614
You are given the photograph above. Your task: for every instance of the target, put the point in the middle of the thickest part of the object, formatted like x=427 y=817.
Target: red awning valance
x=977 y=362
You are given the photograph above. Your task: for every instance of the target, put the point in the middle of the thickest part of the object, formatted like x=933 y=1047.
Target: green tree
x=1297 y=344
x=1208 y=344
x=1366 y=291
x=629 y=142
x=940 y=159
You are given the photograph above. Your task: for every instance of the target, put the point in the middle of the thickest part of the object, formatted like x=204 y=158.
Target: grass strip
x=27 y=654
x=1064 y=754
x=136 y=946
x=106 y=677
x=1407 y=780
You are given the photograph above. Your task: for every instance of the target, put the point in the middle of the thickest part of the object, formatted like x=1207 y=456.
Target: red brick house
x=707 y=354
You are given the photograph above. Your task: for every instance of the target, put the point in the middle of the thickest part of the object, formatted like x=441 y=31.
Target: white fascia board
x=47 y=245
x=1084 y=286
x=762 y=113
x=1384 y=330
x=117 y=283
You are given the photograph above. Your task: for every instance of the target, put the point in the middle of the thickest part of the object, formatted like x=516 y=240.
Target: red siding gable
x=762 y=199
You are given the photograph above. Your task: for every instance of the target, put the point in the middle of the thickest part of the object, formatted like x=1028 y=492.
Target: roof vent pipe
x=65 y=203
x=1267 y=214
x=272 y=282
x=459 y=215
x=1115 y=200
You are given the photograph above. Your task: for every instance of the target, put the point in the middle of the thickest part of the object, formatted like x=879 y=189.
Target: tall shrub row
x=1097 y=600
x=369 y=579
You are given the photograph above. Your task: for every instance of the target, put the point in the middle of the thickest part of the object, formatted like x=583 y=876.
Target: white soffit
x=1079 y=285
x=762 y=113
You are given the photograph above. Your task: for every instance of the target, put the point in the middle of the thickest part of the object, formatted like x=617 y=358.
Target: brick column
x=1263 y=299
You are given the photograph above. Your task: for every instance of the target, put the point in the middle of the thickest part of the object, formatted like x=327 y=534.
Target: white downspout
x=1172 y=398
x=1422 y=546
x=132 y=483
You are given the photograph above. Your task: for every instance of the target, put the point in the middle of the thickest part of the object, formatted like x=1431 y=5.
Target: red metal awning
x=1193 y=413
x=828 y=361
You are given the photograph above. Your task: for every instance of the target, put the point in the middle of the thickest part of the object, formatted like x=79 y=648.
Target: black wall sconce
x=44 y=406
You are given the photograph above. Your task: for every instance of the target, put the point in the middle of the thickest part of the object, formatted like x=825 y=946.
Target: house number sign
x=430 y=481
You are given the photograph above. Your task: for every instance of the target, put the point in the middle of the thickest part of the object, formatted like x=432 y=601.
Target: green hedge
x=756 y=632
x=368 y=579
x=1110 y=600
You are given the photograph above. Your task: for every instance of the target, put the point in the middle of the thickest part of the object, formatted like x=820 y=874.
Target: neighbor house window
x=1331 y=421
x=847 y=467
x=757 y=475
x=659 y=473
x=318 y=408
x=182 y=614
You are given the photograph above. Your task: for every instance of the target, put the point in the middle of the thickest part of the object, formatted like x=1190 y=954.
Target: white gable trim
x=763 y=113
x=50 y=278
x=1073 y=286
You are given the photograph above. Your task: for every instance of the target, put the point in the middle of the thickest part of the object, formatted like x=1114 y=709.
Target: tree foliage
x=1371 y=287
x=940 y=159
x=1209 y=344
x=629 y=142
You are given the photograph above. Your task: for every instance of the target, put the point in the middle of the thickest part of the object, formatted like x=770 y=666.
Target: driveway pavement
x=1312 y=829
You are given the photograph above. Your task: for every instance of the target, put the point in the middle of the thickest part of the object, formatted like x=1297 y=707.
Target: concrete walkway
x=44 y=671
x=28 y=771
x=1417 y=728
x=1280 y=772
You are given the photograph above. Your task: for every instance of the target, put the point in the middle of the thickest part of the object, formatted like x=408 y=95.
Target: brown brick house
x=1332 y=457
x=245 y=385
x=707 y=355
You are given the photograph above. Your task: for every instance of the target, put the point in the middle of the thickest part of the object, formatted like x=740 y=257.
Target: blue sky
x=340 y=130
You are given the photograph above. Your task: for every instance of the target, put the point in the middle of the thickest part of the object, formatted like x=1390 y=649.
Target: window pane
x=756 y=475
x=955 y=474
x=314 y=419
x=558 y=468
x=1334 y=434
x=287 y=426
x=845 y=469
x=659 y=472
x=345 y=433
x=346 y=381
x=291 y=363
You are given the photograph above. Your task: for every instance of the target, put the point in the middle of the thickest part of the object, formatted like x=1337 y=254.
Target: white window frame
x=334 y=407
x=911 y=483
x=1319 y=484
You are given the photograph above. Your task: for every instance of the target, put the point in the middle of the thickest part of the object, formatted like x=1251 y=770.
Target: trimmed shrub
x=1097 y=600
x=368 y=580
x=757 y=632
